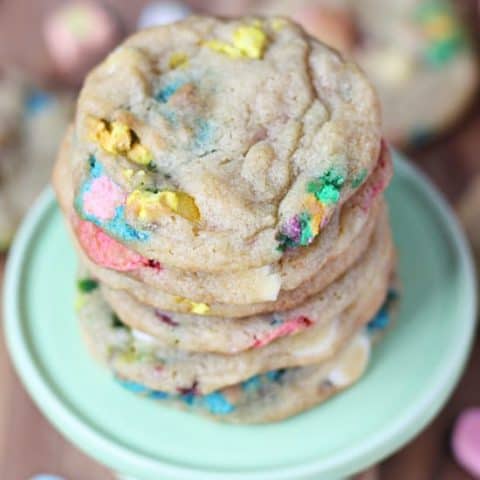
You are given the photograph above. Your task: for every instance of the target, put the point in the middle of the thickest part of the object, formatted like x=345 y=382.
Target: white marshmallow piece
x=162 y=13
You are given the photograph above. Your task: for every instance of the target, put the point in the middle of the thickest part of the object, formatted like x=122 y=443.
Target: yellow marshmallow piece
x=194 y=307
x=223 y=47
x=250 y=40
x=119 y=139
x=199 y=308
x=139 y=154
x=148 y=206
x=178 y=59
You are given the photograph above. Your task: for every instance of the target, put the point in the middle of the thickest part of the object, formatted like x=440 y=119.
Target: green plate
x=412 y=373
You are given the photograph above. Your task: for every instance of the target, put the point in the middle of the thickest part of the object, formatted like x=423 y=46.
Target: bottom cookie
x=278 y=394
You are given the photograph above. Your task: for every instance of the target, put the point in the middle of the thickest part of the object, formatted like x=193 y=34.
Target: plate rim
x=102 y=447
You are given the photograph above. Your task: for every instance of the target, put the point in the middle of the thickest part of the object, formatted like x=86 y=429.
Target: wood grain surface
x=29 y=445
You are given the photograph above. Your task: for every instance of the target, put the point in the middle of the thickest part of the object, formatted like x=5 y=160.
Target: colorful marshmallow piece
x=78 y=35
x=162 y=13
x=466 y=440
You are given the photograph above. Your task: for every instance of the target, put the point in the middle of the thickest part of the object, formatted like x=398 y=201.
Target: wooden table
x=28 y=444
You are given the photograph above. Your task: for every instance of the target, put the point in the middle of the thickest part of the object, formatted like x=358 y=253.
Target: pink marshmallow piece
x=466 y=441
x=106 y=251
x=288 y=328
x=103 y=197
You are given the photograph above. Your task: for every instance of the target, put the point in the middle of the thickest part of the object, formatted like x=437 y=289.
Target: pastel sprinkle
x=317 y=213
x=158 y=395
x=178 y=59
x=121 y=229
x=275 y=375
x=87 y=285
x=102 y=198
x=217 y=403
x=380 y=321
x=296 y=232
x=149 y=206
x=287 y=328
x=327 y=187
x=306 y=234
x=133 y=386
x=168 y=90
x=251 y=384
x=382 y=317
x=359 y=178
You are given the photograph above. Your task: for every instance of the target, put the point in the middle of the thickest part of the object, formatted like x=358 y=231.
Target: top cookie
x=214 y=145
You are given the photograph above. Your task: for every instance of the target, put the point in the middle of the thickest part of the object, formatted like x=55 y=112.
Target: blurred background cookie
x=78 y=35
x=31 y=124
x=417 y=53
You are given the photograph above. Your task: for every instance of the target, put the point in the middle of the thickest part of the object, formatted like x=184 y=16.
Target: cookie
x=32 y=123
x=244 y=287
x=233 y=335
x=141 y=358
x=218 y=145
x=408 y=48
x=281 y=393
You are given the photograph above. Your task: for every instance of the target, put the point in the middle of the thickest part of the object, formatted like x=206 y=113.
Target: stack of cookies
x=223 y=185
